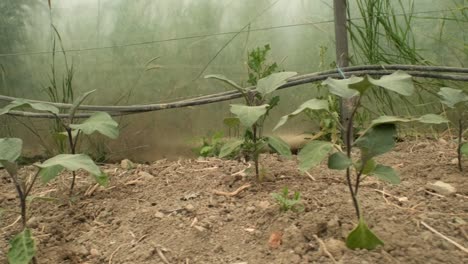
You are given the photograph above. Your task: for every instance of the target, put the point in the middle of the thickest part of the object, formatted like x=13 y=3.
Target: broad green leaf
x=22 y=248
x=64 y=135
x=361 y=86
x=100 y=122
x=399 y=82
x=432 y=119
x=452 y=97
x=313 y=153
x=279 y=146
x=464 y=149
x=72 y=162
x=386 y=173
x=272 y=82
x=230 y=147
x=362 y=237
x=49 y=173
x=389 y=119
x=313 y=104
x=10 y=167
x=231 y=122
x=223 y=78
x=23 y=102
x=377 y=140
x=339 y=161
x=248 y=115
x=10 y=148
x=78 y=102
x=102 y=179
x=341 y=87
x=368 y=168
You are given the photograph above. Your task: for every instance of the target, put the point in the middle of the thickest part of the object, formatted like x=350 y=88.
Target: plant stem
x=72 y=149
x=460 y=137
x=255 y=154
x=349 y=134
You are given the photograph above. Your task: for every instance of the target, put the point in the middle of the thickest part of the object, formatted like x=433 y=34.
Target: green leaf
x=313 y=153
x=78 y=102
x=71 y=162
x=452 y=97
x=341 y=87
x=10 y=148
x=100 y=122
x=23 y=102
x=464 y=149
x=229 y=147
x=22 y=248
x=102 y=179
x=386 y=173
x=389 y=119
x=272 y=82
x=399 y=82
x=313 y=104
x=362 y=237
x=49 y=173
x=248 y=115
x=339 y=161
x=231 y=122
x=279 y=146
x=377 y=140
x=368 y=168
x=432 y=119
x=224 y=79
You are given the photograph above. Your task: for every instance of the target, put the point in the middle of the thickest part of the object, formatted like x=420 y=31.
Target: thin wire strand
x=206 y=35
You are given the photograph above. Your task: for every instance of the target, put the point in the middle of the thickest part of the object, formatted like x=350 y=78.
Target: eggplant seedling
x=376 y=140
x=100 y=122
x=252 y=116
x=22 y=246
x=457 y=100
x=286 y=203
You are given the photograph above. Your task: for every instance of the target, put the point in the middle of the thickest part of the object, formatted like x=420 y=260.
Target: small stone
x=189 y=207
x=145 y=176
x=441 y=188
x=199 y=228
x=250 y=209
x=228 y=218
x=94 y=252
x=264 y=204
x=126 y=164
x=33 y=222
x=454 y=161
x=335 y=247
x=159 y=215
x=442 y=141
x=218 y=249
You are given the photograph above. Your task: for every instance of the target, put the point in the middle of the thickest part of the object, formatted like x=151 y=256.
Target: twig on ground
x=310 y=176
x=12 y=224
x=435 y=194
x=461 y=195
x=91 y=190
x=445 y=237
x=324 y=248
x=113 y=253
x=161 y=254
x=242 y=171
x=234 y=193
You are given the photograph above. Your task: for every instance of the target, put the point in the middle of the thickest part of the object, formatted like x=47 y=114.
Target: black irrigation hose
x=376 y=70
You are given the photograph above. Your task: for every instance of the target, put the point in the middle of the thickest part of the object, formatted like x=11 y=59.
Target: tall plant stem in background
x=255 y=151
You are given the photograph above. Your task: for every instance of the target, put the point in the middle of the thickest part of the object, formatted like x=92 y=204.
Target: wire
x=206 y=35
x=377 y=70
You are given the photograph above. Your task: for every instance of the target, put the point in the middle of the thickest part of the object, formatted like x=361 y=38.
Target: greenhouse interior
x=233 y=131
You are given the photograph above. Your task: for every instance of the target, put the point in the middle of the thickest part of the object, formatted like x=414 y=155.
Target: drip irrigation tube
x=436 y=72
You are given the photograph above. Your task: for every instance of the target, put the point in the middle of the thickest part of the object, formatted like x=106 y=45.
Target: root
x=234 y=193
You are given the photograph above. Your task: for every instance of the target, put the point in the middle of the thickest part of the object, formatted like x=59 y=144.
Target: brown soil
x=170 y=208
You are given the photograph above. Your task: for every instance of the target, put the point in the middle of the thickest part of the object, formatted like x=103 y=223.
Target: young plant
x=98 y=122
x=457 y=100
x=258 y=66
x=252 y=116
x=212 y=145
x=287 y=204
x=23 y=249
x=377 y=139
